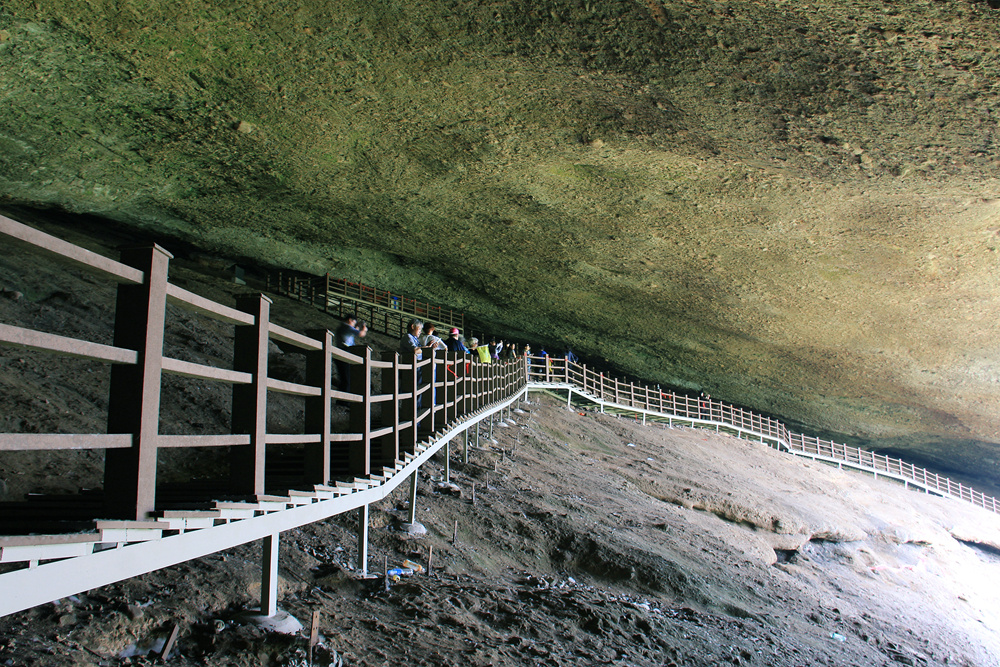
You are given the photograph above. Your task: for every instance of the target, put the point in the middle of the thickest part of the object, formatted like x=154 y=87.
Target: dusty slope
x=790 y=204
x=599 y=541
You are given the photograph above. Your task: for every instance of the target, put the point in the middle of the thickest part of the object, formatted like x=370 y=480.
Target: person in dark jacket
x=454 y=342
x=345 y=337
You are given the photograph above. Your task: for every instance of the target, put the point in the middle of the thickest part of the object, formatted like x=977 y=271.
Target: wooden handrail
x=46 y=342
x=354 y=452
x=33 y=238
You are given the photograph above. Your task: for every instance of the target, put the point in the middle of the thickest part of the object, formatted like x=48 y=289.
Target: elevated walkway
x=654 y=415
x=59 y=565
x=842 y=456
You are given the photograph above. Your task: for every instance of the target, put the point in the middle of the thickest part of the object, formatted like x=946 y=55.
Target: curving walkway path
x=724 y=418
x=117 y=550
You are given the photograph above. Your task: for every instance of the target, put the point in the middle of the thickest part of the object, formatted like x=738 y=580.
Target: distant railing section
x=330 y=294
x=707 y=411
x=650 y=399
x=417 y=399
x=893 y=467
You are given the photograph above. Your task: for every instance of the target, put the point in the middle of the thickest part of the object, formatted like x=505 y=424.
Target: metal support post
x=413 y=495
x=363 y=539
x=269 y=576
x=447 y=461
x=465 y=447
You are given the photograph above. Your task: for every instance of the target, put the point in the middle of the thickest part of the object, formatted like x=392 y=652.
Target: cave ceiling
x=793 y=206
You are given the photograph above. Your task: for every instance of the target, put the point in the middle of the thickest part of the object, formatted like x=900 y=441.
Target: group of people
x=422 y=336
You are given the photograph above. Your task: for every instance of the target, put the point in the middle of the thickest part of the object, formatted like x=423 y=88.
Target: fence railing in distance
x=340 y=297
x=711 y=412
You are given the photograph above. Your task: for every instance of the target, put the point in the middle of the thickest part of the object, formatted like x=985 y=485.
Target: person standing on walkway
x=346 y=337
x=411 y=351
x=480 y=352
x=454 y=342
x=429 y=339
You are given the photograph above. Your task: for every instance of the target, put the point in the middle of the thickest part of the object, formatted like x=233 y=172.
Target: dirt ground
x=592 y=539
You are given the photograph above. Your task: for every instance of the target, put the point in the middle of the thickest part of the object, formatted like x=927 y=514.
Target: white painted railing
x=637 y=398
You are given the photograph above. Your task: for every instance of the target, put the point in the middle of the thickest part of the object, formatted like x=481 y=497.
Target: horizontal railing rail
x=629 y=395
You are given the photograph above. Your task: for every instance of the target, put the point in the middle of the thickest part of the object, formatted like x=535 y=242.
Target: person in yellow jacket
x=482 y=352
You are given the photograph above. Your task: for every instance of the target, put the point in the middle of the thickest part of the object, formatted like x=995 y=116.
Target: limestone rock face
x=793 y=206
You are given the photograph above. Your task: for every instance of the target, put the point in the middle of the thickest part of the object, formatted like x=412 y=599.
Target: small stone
x=415 y=529
x=67 y=619
x=244 y=127
x=449 y=488
x=134 y=612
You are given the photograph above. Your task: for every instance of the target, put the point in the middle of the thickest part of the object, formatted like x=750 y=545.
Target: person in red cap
x=454 y=343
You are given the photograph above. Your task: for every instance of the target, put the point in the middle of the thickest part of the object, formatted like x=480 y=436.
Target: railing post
x=461 y=385
x=319 y=373
x=359 y=457
x=494 y=382
x=250 y=400
x=407 y=382
x=390 y=410
x=326 y=295
x=134 y=400
x=451 y=387
x=432 y=399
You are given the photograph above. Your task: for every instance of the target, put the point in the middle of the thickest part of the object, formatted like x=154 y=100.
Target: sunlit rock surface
x=793 y=206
